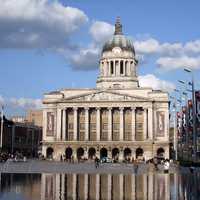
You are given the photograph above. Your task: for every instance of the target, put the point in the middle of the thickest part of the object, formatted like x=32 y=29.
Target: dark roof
x=119 y=40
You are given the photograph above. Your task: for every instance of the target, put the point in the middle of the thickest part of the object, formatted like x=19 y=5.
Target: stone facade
x=118 y=119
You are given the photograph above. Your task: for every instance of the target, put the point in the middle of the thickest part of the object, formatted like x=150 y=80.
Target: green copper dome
x=118 y=40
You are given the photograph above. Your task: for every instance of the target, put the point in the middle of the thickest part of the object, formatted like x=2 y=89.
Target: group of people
x=12 y=157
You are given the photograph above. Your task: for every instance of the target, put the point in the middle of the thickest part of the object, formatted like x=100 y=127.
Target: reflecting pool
x=151 y=186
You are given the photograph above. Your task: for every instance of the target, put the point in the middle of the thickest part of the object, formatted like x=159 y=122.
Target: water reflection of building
x=105 y=186
x=118 y=118
x=25 y=185
x=151 y=186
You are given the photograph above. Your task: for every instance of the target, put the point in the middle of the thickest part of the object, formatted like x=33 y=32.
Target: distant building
x=35 y=117
x=20 y=119
x=20 y=137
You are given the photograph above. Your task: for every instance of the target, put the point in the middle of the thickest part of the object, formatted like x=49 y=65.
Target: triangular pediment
x=106 y=96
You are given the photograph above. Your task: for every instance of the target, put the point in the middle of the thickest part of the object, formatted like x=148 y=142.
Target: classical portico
x=117 y=119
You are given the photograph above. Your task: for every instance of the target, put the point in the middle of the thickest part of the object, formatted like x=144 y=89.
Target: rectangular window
x=105 y=126
x=115 y=126
x=82 y=126
x=70 y=126
x=93 y=126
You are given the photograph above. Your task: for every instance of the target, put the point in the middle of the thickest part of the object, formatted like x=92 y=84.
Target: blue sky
x=40 y=52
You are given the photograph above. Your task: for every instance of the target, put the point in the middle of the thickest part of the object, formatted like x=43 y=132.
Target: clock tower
x=118 y=63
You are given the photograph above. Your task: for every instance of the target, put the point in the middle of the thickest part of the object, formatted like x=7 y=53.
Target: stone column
x=145 y=124
x=44 y=129
x=121 y=154
x=166 y=125
x=130 y=68
x=108 y=71
x=86 y=153
x=133 y=156
x=86 y=124
x=75 y=122
x=133 y=124
x=74 y=154
x=115 y=67
x=150 y=123
x=98 y=124
x=58 y=122
x=64 y=125
x=121 y=134
x=124 y=66
x=109 y=153
x=109 y=124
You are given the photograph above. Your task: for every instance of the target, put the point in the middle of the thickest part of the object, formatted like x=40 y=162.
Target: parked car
x=106 y=160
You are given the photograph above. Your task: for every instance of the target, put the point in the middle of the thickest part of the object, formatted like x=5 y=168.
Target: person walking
x=96 y=162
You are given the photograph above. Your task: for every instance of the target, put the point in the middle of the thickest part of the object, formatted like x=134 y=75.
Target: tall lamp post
x=193 y=114
x=175 y=128
x=1 y=139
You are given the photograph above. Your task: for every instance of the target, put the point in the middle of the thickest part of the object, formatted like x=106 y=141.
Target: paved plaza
x=35 y=166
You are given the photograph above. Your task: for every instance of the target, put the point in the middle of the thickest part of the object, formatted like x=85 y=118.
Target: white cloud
x=153 y=46
x=101 y=31
x=37 y=23
x=86 y=59
x=171 y=63
x=1 y=100
x=23 y=103
x=151 y=80
x=170 y=56
x=193 y=46
x=148 y=46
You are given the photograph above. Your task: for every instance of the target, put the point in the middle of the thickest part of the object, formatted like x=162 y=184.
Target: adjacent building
x=117 y=119
x=21 y=137
x=35 y=117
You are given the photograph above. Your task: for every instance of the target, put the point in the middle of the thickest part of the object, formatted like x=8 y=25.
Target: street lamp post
x=175 y=130
x=175 y=140
x=193 y=114
x=179 y=142
x=1 y=139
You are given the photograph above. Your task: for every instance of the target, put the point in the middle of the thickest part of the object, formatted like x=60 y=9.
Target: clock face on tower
x=116 y=50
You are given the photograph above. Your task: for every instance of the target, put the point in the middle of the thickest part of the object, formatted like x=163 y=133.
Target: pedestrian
x=136 y=168
x=166 y=166
x=96 y=162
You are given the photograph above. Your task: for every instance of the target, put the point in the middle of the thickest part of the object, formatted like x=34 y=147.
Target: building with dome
x=117 y=119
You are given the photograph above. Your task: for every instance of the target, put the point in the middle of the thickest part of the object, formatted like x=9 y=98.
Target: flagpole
x=175 y=130
x=1 y=139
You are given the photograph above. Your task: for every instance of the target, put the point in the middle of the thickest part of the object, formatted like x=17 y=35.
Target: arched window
x=121 y=67
x=111 y=67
